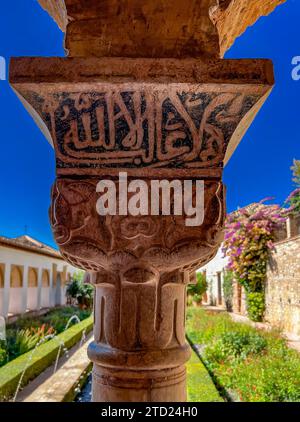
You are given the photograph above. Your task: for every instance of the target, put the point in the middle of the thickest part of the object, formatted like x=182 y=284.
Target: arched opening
x=32 y=277
x=45 y=299
x=15 y=296
x=32 y=298
x=1 y=276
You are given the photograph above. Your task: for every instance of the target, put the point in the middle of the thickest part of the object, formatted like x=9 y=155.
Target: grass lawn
x=200 y=387
x=253 y=365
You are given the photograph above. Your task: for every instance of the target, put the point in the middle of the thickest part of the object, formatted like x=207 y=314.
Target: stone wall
x=239 y=304
x=283 y=286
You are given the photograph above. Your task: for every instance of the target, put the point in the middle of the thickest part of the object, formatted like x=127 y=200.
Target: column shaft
x=6 y=292
x=24 y=289
x=139 y=350
x=39 y=292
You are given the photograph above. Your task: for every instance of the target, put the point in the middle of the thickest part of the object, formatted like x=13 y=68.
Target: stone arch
x=32 y=295
x=1 y=276
x=64 y=276
x=15 y=294
x=45 y=278
x=45 y=294
x=16 y=276
x=2 y=267
x=32 y=277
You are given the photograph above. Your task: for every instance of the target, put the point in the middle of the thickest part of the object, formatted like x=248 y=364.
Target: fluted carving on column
x=153 y=120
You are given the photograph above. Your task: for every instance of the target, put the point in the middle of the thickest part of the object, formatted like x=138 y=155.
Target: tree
x=296 y=172
x=293 y=200
x=81 y=292
x=228 y=290
x=196 y=291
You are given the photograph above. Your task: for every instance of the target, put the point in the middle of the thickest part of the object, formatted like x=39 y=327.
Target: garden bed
x=26 y=332
x=43 y=357
x=245 y=363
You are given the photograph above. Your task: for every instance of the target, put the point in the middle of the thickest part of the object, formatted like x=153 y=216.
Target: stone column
x=24 y=289
x=6 y=290
x=120 y=104
x=39 y=291
x=292 y=226
x=243 y=301
x=236 y=300
x=53 y=283
x=150 y=130
x=139 y=350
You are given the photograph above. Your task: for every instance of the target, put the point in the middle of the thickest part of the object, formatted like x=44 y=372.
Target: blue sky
x=259 y=168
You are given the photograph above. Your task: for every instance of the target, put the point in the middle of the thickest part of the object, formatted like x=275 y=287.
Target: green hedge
x=43 y=357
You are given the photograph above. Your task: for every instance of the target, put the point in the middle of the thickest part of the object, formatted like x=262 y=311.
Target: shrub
x=81 y=292
x=196 y=291
x=3 y=357
x=59 y=318
x=228 y=290
x=254 y=365
x=26 y=332
x=56 y=318
x=25 y=340
x=235 y=345
x=256 y=306
x=274 y=377
x=203 y=326
x=293 y=200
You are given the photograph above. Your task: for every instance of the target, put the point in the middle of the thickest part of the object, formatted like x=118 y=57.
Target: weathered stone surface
x=162 y=118
x=134 y=28
x=176 y=117
x=233 y=17
x=283 y=286
x=57 y=9
x=140 y=264
x=154 y=28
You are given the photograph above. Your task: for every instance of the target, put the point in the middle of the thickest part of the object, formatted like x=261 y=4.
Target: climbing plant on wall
x=248 y=241
x=293 y=200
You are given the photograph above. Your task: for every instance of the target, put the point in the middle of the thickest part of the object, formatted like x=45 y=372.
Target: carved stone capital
x=152 y=119
x=118 y=243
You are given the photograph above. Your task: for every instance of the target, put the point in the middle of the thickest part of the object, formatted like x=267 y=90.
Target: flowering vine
x=249 y=238
x=293 y=201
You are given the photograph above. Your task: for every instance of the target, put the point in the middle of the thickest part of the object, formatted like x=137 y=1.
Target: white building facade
x=214 y=272
x=32 y=276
